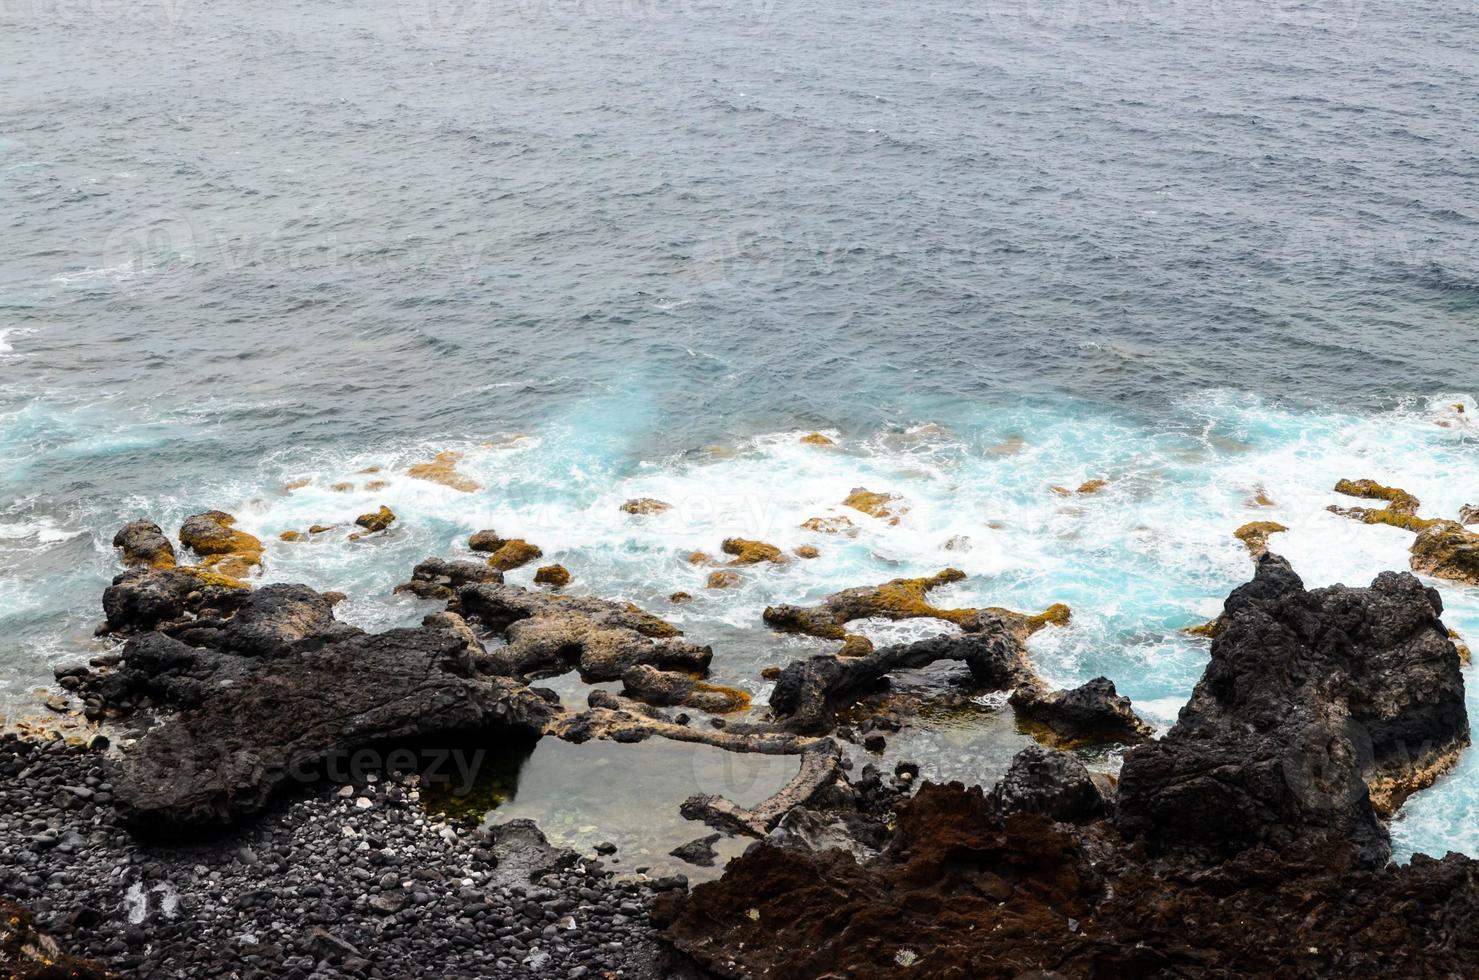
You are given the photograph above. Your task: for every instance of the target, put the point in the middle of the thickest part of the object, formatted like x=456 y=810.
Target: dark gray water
x=1191 y=247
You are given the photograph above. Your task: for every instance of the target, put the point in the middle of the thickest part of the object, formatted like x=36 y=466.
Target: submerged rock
x=1443 y=549
x=143 y=543
x=884 y=506
x=437 y=578
x=220 y=762
x=699 y=853
x=829 y=525
x=817 y=439
x=642 y=506
x=443 y=469
x=1318 y=711
x=554 y=633
x=723 y=580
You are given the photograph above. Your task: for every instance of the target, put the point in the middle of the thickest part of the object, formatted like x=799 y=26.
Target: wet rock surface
x=1091 y=714
x=439 y=578
x=357 y=880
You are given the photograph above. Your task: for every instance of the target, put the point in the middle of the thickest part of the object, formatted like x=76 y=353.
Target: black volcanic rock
x=1049 y=782
x=273 y=621
x=1319 y=709
x=222 y=761
x=1090 y=714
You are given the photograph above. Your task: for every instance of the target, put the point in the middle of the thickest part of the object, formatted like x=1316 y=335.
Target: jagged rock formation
x=1050 y=782
x=1318 y=711
x=747 y=552
x=671 y=688
x=552 y=634
x=888 y=507
x=143 y=598
x=1255 y=535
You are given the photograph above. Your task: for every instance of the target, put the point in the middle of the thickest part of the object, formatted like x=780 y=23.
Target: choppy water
x=1194 y=249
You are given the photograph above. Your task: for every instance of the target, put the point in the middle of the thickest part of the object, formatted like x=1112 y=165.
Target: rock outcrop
x=552 y=634
x=514 y=553
x=438 y=578
x=143 y=598
x=810 y=692
x=643 y=506
x=747 y=552
x=224 y=760
x=1049 y=782
x=1319 y=711
x=222 y=548
x=377 y=520
x=555 y=576
x=669 y=688
x=1255 y=535
x=1443 y=549
x=143 y=543
x=1090 y=714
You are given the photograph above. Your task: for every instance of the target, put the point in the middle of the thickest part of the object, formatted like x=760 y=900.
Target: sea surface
x=625 y=248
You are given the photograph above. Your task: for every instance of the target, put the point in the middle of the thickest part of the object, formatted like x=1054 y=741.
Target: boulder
x=514 y=553
x=1447 y=550
x=222 y=548
x=376 y=521
x=817 y=439
x=810 y=692
x=1050 y=782
x=143 y=543
x=1318 y=711
x=1091 y=714
x=666 y=688
x=723 y=580
x=1468 y=514
x=142 y=598
x=486 y=540
x=829 y=525
x=223 y=761
x=555 y=576
x=1255 y=534
x=747 y=552
x=437 y=578
x=273 y=621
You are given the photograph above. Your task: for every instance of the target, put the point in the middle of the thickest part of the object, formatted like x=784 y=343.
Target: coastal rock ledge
x=1319 y=713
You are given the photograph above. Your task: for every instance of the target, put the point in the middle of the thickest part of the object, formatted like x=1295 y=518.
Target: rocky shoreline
x=223 y=835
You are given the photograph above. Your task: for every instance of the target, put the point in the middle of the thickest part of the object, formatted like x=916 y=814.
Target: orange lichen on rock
x=829 y=525
x=1254 y=535
x=556 y=576
x=513 y=554
x=230 y=552
x=723 y=579
x=817 y=439
x=900 y=598
x=645 y=505
x=443 y=469
x=698 y=558
x=747 y=552
x=1400 y=511
x=806 y=551
x=884 y=506
x=377 y=521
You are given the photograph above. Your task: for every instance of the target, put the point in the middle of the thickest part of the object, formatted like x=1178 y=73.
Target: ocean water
x=606 y=250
